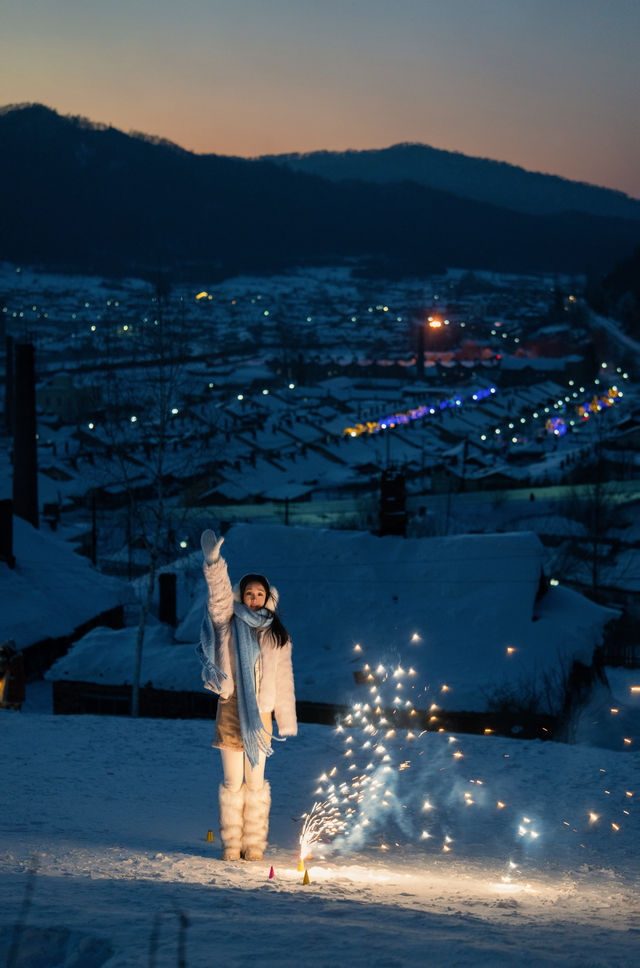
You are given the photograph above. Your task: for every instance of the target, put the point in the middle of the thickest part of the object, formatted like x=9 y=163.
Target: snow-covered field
x=112 y=816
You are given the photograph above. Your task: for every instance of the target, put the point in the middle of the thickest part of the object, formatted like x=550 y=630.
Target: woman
x=246 y=659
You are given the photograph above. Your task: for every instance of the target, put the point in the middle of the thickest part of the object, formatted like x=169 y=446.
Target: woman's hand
x=210 y=545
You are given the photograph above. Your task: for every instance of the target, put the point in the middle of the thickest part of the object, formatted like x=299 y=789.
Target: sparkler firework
x=390 y=797
x=323 y=822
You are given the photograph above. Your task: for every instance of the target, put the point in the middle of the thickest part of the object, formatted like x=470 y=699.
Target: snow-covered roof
x=51 y=590
x=450 y=607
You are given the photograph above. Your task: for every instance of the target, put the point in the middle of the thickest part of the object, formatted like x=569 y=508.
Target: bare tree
x=143 y=400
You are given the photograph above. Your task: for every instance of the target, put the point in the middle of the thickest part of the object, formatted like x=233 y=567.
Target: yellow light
x=510 y=650
x=501 y=805
x=593 y=817
x=202 y=295
x=634 y=688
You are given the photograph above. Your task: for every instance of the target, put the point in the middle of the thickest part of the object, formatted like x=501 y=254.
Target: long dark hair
x=278 y=630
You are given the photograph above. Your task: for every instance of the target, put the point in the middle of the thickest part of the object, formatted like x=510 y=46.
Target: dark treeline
x=91 y=198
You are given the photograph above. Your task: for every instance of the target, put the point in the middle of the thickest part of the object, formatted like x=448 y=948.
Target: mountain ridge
x=78 y=194
x=483 y=179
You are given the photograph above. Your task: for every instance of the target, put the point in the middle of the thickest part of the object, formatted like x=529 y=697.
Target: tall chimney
x=25 y=454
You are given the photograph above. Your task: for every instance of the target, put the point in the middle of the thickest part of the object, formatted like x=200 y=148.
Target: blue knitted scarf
x=246 y=622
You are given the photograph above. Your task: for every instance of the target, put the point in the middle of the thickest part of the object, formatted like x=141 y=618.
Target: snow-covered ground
x=112 y=814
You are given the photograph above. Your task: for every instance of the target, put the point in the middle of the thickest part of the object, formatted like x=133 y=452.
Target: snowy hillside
x=114 y=812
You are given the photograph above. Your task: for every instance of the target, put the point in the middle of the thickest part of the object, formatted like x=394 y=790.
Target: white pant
x=236 y=768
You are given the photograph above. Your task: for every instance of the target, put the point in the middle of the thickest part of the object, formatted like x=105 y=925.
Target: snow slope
x=114 y=813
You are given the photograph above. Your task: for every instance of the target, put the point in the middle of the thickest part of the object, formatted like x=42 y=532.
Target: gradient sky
x=552 y=85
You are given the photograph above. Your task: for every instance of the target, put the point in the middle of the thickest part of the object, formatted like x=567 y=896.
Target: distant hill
x=618 y=294
x=79 y=196
x=481 y=179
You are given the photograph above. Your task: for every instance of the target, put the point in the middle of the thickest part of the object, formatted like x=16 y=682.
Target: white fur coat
x=274 y=670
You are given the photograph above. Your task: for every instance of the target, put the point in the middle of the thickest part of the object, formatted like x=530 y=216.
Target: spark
x=321 y=822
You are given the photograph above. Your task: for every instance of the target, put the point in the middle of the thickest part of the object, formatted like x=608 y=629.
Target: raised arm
x=220 y=595
x=216 y=637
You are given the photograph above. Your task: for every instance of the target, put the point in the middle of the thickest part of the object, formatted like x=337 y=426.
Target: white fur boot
x=257 y=804
x=231 y=803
